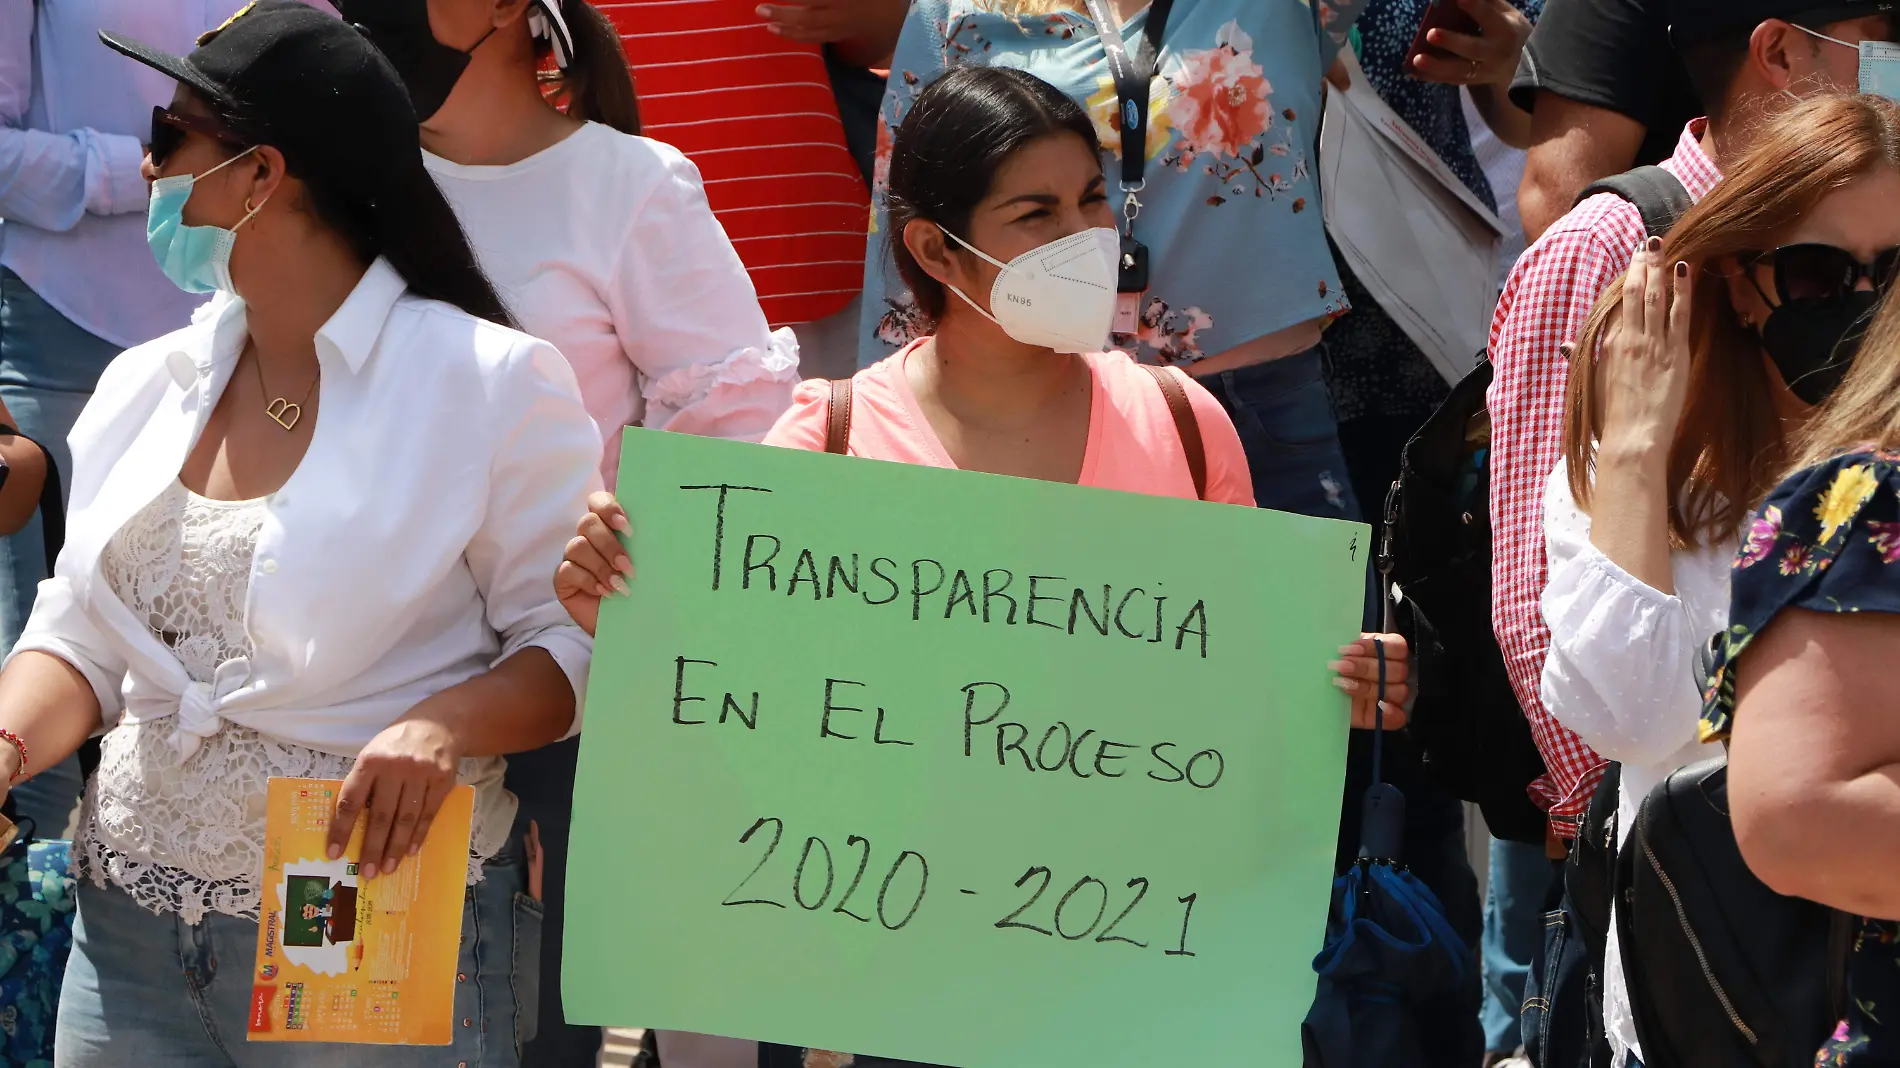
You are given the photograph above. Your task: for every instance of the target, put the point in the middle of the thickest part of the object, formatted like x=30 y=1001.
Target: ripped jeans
x=1285 y=418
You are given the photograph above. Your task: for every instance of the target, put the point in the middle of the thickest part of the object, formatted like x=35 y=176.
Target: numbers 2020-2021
x=818 y=876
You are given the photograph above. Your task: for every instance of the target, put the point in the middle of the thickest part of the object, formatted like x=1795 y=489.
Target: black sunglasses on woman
x=1808 y=273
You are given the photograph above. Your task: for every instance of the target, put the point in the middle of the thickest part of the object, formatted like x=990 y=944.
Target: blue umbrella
x=1395 y=981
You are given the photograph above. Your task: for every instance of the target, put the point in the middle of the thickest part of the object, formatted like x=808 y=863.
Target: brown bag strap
x=1185 y=424
x=838 y=417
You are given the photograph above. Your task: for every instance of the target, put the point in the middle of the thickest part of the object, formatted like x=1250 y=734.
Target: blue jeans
x=48 y=368
x=1285 y=418
x=148 y=990
x=1520 y=884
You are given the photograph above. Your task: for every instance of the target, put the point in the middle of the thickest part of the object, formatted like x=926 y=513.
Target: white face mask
x=1060 y=296
x=1879 y=64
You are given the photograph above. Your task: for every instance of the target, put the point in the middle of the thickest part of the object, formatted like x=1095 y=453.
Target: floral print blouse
x=1826 y=540
x=1230 y=215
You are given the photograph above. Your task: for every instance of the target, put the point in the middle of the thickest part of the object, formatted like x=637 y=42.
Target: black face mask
x=400 y=30
x=1814 y=343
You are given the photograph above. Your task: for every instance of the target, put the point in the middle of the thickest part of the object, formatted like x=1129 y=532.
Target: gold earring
x=249 y=208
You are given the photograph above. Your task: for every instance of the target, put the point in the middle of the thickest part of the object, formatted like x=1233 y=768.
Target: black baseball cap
x=1695 y=21
x=284 y=74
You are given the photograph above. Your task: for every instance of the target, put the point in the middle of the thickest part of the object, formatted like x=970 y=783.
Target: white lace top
x=186 y=834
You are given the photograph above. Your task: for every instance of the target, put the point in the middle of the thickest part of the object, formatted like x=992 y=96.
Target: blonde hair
x=1729 y=447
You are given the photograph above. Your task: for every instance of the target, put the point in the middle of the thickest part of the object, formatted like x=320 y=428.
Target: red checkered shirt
x=1545 y=302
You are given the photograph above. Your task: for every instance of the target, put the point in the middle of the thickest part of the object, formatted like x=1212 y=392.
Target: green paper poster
x=958 y=768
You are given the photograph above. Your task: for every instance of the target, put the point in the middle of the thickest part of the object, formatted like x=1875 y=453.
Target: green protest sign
x=956 y=768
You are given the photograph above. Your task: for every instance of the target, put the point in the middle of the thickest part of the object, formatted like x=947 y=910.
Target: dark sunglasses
x=1806 y=274
x=170 y=127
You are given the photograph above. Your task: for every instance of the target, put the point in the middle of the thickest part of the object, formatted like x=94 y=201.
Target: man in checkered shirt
x=1750 y=58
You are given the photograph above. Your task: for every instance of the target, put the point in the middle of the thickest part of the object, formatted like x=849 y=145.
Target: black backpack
x=1723 y=972
x=1435 y=553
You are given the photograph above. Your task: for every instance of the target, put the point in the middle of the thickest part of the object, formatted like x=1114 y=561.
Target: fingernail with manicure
x=620 y=584
x=620 y=522
x=1347 y=685
x=1682 y=269
x=1340 y=666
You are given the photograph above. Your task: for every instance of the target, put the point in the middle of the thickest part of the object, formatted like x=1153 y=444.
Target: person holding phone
x=310 y=536
x=1421 y=57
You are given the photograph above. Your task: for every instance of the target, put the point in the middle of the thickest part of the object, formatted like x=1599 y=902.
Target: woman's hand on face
x=596 y=564
x=1643 y=363
x=1488 y=58
x=400 y=779
x=1357 y=673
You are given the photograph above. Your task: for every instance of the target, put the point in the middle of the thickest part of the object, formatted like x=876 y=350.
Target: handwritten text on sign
x=961 y=769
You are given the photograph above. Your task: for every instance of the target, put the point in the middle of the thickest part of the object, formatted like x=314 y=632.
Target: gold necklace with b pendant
x=281 y=411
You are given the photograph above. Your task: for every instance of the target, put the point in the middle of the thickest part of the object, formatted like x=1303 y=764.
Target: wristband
x=14 y=740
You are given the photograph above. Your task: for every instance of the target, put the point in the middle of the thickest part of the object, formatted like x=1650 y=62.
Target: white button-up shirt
x=413 y=548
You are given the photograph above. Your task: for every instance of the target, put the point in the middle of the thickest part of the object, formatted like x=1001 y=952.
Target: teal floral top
x=1230 y=215
x=1826 y=540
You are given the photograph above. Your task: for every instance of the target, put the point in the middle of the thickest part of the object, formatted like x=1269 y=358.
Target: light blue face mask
x=1879 y=64
x=196 y=258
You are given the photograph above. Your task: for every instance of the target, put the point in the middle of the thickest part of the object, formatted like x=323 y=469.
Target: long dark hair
x=959 y=132
x=597 y=85
x=406 y=221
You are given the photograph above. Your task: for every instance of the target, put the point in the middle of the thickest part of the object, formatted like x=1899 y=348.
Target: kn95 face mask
x=1058 y=296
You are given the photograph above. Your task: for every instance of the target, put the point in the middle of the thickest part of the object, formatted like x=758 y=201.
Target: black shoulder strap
x=1658 y=196
x=52 y=500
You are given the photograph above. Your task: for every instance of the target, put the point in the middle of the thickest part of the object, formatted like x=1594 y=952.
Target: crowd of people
x=317 y=481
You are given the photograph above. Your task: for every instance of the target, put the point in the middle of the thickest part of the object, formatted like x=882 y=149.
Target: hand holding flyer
x=346 y=959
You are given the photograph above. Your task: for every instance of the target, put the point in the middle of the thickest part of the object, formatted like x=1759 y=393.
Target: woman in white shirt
x=601 y=242
x=310 y=536
x=1679 y=411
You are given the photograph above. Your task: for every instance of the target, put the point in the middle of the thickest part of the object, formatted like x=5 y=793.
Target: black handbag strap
x=52 y=499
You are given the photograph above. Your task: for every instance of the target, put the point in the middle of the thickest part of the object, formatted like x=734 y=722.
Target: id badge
x=1132 y=283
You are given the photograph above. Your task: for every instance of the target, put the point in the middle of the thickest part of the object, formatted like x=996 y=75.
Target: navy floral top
x=1825 y=541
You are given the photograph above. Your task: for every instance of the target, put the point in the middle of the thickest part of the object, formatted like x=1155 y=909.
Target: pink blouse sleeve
x=802 y=426
x=1228 y=480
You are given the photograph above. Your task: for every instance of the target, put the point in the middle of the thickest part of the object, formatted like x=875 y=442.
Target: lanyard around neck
x=1134 y=77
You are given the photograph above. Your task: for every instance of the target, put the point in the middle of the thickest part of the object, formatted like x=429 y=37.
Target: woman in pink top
x=996 y=188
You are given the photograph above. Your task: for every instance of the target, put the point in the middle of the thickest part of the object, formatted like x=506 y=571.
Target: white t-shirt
x=604 y=245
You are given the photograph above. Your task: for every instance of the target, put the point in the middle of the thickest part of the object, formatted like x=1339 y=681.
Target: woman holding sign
x=294 y=552
x=1001 y=227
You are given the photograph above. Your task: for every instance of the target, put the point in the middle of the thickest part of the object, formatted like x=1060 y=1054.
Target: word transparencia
x=763 y=563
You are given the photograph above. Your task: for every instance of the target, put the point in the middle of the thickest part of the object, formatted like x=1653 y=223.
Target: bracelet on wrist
x=14 y=740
